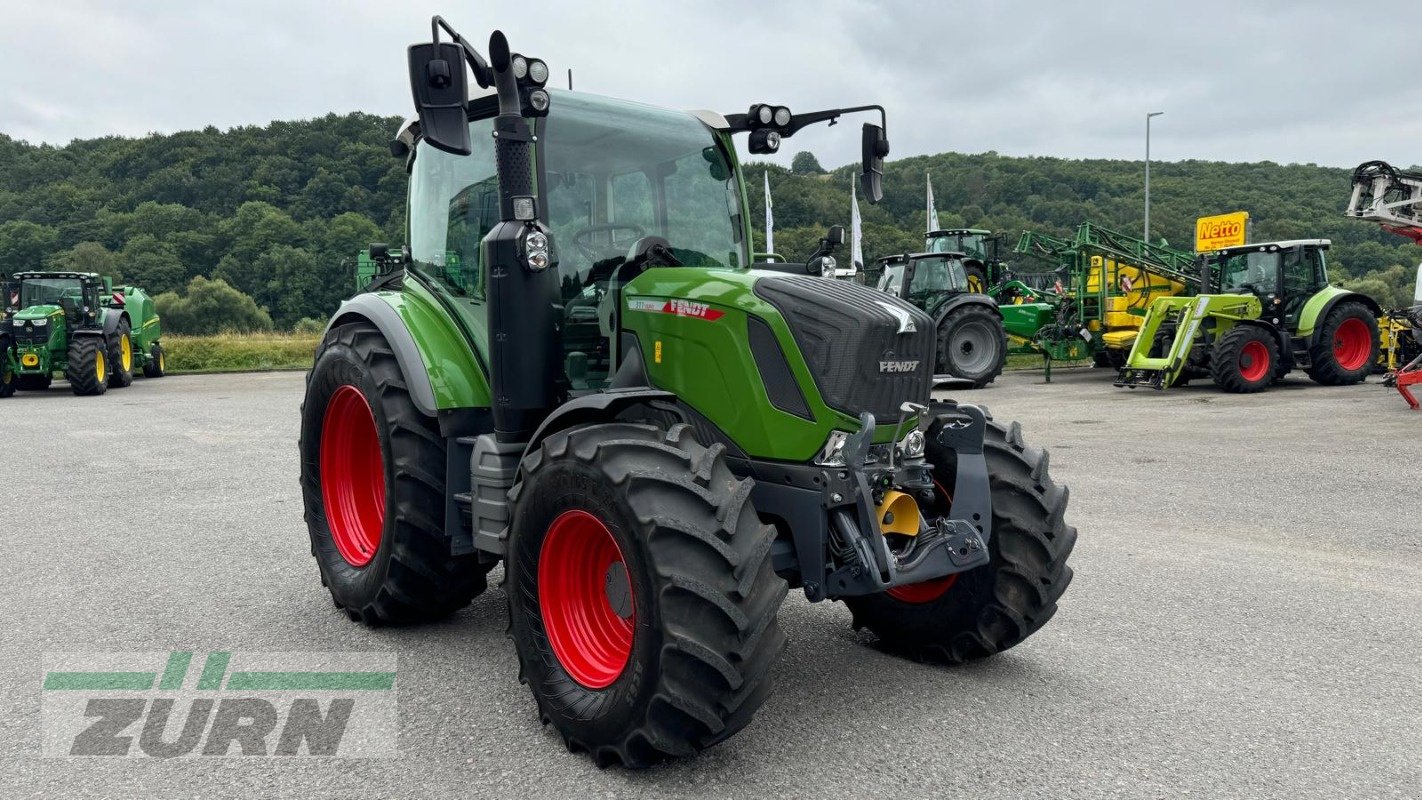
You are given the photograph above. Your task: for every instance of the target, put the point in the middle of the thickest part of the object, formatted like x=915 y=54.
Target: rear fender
x=1318 y=307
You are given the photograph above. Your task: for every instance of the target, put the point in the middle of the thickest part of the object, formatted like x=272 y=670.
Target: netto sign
x=1221 y=230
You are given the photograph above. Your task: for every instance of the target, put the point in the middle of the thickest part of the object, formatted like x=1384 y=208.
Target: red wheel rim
x=352 y=476
x=927 y=591
x=1253 y=361
x=1352 y=343
x=579 y=566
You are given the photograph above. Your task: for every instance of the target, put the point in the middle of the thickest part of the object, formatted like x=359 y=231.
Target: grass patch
x=239 y=352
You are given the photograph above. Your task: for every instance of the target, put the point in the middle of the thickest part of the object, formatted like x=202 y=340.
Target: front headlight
x=40 y=323
x=827 y=266
x=912 y=445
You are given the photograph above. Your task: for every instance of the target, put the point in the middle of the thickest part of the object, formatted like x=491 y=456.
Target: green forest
x=255 y=227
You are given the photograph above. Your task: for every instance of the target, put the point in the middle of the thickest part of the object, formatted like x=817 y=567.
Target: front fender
x=1318 y=307
x=592 y=408
x=954 y=303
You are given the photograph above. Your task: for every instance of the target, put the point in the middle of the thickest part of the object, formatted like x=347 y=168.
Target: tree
x=209 y=307
x=152 y=264
x=24 y=245
x=805 y=163
x=86 y=257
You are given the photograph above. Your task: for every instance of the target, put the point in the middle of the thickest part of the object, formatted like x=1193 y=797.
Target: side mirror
x=440 y=87
x=835 y=235
x=379 y=251
x=874 y=147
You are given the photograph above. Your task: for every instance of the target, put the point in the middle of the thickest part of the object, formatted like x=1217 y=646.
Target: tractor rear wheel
x=377 y=529
x=121 y=356
x=977 y=277
x=1244 y=360
x=88 y=369
x=975 y=614
x=1347 y=346
x=155 y=367
x=642 y=600
x=33 y=383
x=972 y=344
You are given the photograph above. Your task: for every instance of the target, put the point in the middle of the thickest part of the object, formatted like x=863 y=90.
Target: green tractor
x=1275 y=312
x=80 y=325
x=972 y=339
x=978 y=250
x=652 y=495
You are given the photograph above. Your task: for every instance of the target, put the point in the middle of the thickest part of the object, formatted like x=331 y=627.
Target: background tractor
x=972 y=334
x=978 y=250
x=80 y=325
x=652 y=495
x=1275 y=312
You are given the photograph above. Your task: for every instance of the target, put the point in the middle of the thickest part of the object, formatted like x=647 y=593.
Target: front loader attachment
x=1157 y=361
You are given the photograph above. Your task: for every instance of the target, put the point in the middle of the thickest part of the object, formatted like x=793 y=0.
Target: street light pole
x=1149 y=114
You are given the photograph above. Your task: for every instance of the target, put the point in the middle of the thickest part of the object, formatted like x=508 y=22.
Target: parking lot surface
x=1246 y=618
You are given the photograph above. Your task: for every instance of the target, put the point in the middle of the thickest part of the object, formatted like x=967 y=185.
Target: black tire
x=410 y=576
x=1109 y=358
x=33 y=383
x=88 y=370
x=121 y=369
x=703 y=591
x=972 y=344
x=1340 y=340
x=156 y=367
x=996 y=606
x=9 y=380
x=1235 y=360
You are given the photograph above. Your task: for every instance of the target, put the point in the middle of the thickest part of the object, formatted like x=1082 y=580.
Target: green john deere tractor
x=655 y=437
x=1275 y=312
x=80 y=325
x=978 y=250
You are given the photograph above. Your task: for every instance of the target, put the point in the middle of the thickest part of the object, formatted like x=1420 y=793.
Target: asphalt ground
x=1246 y=619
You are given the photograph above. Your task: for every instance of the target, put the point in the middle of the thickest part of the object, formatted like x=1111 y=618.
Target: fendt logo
x=161 y=705
x=897 y=366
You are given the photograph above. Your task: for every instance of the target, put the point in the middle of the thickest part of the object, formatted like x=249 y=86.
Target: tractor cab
x=926 y=280
x=42 y=293
x=976 y=247
x=1283 y=275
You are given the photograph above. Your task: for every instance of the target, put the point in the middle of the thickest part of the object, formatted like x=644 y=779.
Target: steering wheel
x=615 y=245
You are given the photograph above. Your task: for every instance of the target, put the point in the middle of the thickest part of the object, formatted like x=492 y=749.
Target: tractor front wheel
x=8 y=379
x=88 y=369
x=983 y=611
x=373 y=483
x=121 y=356
x=972 y=344
x=641 y=596
x=1347 y=346
x=155 y=367
x=1244 y=360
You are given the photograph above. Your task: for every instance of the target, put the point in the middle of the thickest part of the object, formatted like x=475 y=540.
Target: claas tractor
x=1275 y=312
x=80 y=325
x=972 y=338
x=651 y=496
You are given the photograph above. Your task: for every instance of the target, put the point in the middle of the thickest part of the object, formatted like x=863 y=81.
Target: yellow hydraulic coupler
x=898 y=514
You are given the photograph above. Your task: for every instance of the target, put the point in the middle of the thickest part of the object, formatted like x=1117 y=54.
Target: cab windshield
x=937 y=275
x=64 y=292
x=968 y=243
x=615 y=172
x=1252 y=272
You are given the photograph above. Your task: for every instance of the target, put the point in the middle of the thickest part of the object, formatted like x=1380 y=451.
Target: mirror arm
x=482 y=74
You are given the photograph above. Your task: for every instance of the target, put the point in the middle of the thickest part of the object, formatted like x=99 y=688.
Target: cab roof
x=1269 y=247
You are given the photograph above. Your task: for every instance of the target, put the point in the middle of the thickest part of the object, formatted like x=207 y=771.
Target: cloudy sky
x=1326 y=82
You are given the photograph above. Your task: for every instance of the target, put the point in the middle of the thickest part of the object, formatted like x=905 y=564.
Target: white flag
x=769 y=219
x=856 y=235
x=932 y=209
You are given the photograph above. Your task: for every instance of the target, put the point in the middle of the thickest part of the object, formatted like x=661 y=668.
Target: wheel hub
x=585 y=599
x=352 y=476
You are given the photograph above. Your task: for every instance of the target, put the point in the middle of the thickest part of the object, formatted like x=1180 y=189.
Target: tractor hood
x=38 y=312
